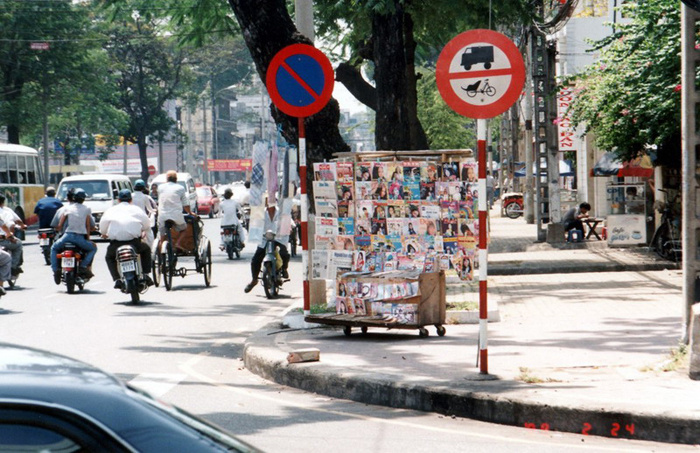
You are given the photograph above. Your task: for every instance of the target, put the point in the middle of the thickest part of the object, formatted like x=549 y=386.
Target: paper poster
x=325 y=190
x=326 y=226
x=344 y=172
x=320 y=265
x=325 y=171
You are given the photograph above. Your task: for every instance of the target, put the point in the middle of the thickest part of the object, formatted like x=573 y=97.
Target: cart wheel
x=347 y=330
x=423 y=332
x=440 y=330
x=206 y=265
x=363 y=329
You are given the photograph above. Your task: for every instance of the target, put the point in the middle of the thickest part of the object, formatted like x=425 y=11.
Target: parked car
x=207 y=201
x=101 y=190
x=186 y=181
x=50 y=402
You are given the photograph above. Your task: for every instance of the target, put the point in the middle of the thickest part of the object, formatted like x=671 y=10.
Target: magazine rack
x=426 y=307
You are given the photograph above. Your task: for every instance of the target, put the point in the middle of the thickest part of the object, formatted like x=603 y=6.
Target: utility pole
x=529 y=194
x=205 y=169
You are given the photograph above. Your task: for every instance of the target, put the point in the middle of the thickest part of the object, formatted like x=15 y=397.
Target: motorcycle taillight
x=43 y=236
x=126 y=254
x=68 y=253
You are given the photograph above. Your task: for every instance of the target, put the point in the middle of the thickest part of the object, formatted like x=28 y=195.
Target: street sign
x=151 y=170
x=480 y=73
x=300 y=80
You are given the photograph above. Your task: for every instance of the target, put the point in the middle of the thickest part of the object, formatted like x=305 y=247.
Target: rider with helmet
x=141 y=199
x=78 y=222
x=230 y=213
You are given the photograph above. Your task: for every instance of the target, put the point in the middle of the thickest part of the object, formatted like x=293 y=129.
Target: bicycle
x=473 y=89
x=666 y=240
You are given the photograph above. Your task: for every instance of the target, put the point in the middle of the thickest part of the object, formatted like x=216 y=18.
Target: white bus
x=21 y=180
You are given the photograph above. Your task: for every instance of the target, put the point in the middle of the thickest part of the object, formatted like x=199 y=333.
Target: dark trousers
x=141 y=248
x=256 y=263
x=576 y=224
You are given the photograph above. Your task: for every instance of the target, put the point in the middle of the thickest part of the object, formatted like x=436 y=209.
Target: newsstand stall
x=389 y=226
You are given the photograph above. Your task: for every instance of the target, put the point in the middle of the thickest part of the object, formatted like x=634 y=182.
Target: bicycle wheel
x=169 y=266
x=512 y=210
x=663 y=244
x=157 y=269
x=490 y=91
x=206 y=265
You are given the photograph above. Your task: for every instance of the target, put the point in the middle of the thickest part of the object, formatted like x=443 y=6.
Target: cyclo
x=194 y=244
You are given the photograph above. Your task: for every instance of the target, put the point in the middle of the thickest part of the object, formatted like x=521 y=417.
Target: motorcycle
x=513 y=204
x=70 y=263
x=272 y=268
x=231 y=240
x=131 y=273
x=47 y=236
x=246 y=216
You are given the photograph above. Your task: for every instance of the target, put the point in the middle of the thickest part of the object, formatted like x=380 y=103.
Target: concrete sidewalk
x=581 y=351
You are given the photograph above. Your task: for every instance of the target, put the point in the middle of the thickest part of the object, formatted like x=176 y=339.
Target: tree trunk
x=13 y=134
x=267 y=29
x=417 y=135
x=143 y=156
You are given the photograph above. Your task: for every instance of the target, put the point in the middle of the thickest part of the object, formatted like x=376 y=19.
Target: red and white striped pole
x=304 y=217
x=483 y=248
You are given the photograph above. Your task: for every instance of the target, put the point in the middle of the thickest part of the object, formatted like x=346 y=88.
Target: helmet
x=139 y=184
x=125 y=195
x=79 y=196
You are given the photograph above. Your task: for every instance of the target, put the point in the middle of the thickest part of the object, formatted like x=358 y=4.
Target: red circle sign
x=480 y=73
x=151 y=170
x=300 y=80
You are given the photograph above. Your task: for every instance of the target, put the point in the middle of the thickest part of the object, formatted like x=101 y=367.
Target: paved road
x=185 y=347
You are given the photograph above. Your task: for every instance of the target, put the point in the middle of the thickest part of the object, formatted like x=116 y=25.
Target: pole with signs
x=300 y=83
x=480 y=74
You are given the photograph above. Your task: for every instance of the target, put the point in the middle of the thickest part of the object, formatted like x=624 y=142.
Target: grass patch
x=468 y=305
x=316 y=309
x=528 y=378
x=678 y=358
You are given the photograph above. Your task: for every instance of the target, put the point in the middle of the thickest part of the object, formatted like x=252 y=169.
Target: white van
x=186 y=181
x=101 y=190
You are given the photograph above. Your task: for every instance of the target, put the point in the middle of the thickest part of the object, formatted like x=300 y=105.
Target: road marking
x=188 y=367
x=157 y=384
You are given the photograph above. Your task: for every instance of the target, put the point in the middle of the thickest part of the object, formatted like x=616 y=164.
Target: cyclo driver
x=126 y=224
x=172 y=200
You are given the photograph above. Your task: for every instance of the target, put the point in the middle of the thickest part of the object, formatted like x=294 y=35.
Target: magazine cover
x=364 y=290
x=394 y=244
x=375 y=261
x=448 y=171
x=380 y=190
x=344 y=191
x=344 y=172
x=346 y=209
x=339 y=261
x=431 y=263
x=378 y=243
x=394 y=227
x=449 y=244
x=344 y=242
x=323 y=242
x=450 y=210
x=379 y=171
x=412 y=245
x=360 y=307
x=419 y=261
x=427 y=191
x=444 y=262
x=442 y=190
x=379 y=209
x=396 y=190
x=341 y=305
x=363 y=227
x=466 y=210
x=467 y=227
x=405 y=262
x=430 y=210
x=413 y=209
x=428 y=226
x=365 y=209
x=363 y=190
x=363 y=171
x=411 y=172
x=326 y=226
x=324 y=171
x=346 y=225
x=411 y=227
x=325 y=190
x=351 y=287
x=395 y=209
x=390 y=261
x=437 y=244
x=449 y=227
x=363 y=243
x=428 y=172
x=395 y=171
x=319 y=264
x=468 y=171
x=454 y=191
x=379 y=227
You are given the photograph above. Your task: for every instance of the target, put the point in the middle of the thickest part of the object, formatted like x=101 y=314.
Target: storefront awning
x=565 y=169
x=609 y=165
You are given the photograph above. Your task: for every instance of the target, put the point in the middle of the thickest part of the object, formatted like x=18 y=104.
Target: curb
x=529 y=268
x=463 y=399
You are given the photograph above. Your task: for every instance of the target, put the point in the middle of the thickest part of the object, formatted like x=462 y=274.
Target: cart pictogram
x=480 y=74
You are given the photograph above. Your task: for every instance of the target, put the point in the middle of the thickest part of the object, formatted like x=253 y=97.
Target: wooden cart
x=430 y=310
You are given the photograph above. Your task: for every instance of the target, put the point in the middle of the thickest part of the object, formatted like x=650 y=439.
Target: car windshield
x=204 y=191
x=94 y=189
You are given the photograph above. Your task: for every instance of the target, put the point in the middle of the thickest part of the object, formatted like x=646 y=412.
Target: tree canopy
x=631 y=97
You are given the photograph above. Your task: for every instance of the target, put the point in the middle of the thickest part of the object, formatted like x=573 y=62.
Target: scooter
x=47 y=236
x=131 y=273
x=231 y=240
x=513 y=204
x=272 y=268
x=70 y=263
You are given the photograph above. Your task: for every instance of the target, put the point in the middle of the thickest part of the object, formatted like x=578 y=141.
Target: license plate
x=43 y=241
x=228 y=237
x=68 y=262
x=128 y=266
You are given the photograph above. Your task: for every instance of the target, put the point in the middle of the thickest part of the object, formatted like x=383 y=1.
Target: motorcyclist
x=77 y=218
x=127 y=224
x=141 y=199
x=231 y=211
x=272 y=216
x=12 y=244
x=47 y=207
x=5 y=258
